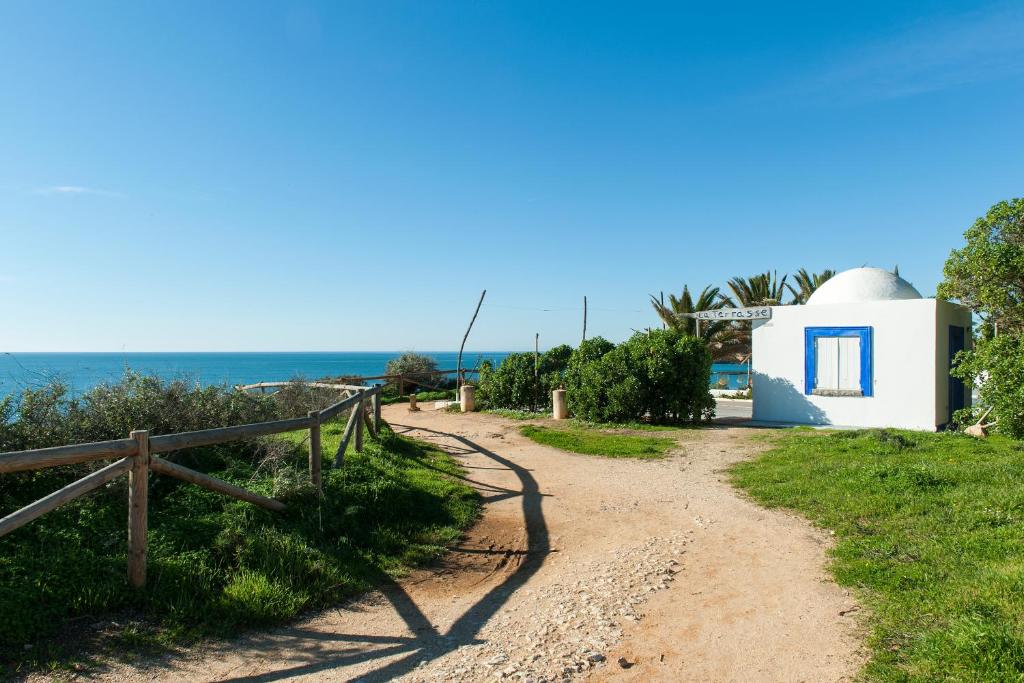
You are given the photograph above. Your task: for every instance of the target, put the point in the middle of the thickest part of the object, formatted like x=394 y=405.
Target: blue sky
x=349 y=176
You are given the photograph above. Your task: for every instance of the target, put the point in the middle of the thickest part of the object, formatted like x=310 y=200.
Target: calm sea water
x=83 y=371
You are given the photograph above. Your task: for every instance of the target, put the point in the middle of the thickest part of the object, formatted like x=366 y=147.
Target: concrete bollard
x=412 y=403
x=466 y=398
x=559 y=411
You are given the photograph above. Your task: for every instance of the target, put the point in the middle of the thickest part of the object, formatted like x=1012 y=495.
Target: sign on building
x=753 y=313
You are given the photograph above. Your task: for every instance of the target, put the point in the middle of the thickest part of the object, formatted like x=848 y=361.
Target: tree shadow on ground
x=321 y=652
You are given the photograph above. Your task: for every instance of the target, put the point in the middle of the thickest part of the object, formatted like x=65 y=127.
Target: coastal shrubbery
x=215 y=563
x=660 y=376
x=523 y=381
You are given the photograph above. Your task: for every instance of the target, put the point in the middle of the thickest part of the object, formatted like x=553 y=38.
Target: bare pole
x=584 y=317
x=458 y=373
x=536 y=367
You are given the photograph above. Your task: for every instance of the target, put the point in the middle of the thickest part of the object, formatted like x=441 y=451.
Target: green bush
x=583 y=383
x=999 y=363
x=660 y=375
x=416 y=369
x=523 y=381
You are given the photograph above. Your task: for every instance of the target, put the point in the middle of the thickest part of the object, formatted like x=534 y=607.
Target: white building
x=865 y=351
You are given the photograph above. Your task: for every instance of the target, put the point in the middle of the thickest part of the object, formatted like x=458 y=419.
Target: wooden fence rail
x=398 y=380
x=138 y=456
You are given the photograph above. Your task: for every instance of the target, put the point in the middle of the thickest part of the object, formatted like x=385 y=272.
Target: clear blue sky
x=349 y=176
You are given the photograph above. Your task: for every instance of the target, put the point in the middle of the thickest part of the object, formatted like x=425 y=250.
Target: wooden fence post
x=315 y=454
x=376 y=412
x=360 y=410
x=138 y=510
x=401 y=387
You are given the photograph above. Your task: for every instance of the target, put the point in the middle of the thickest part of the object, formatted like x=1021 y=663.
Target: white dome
x=863 y=284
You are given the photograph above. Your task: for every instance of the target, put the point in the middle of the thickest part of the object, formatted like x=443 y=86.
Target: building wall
x=905 y=362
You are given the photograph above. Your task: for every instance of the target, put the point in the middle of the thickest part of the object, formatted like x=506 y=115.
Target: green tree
x=720 y=336
x=806 y=283
x=987 y=276
x=763 y=289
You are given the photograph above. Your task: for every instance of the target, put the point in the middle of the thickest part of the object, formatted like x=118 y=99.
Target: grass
x=217 y=565
x=594 y=442
x=516 y=414
x=634 y=426
x=421 y=396
x=930 y=530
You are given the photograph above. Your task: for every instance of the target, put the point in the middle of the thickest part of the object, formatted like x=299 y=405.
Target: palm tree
x=719 y=335
x=807 y=283
x=763 y=289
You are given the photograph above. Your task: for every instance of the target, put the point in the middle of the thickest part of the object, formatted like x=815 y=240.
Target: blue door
x=957 y=336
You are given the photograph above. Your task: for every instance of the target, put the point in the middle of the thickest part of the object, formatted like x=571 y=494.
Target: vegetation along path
x=581 y=566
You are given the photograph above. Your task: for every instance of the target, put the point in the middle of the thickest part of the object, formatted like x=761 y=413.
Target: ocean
x=82 y=371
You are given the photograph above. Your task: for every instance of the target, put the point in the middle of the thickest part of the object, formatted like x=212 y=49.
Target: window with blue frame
x=837 y=361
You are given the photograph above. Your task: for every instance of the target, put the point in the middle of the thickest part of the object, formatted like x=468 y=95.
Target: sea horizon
x=83 y=370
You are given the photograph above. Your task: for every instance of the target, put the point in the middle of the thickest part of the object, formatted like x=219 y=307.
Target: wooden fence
x=399 y=381
x=139 y=454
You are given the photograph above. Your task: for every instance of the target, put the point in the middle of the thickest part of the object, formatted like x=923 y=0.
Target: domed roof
x=863 y=284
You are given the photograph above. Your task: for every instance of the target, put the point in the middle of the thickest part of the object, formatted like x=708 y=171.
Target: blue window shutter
x=866 y=335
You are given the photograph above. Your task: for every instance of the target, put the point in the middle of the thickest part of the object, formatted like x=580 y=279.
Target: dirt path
x=581 y=567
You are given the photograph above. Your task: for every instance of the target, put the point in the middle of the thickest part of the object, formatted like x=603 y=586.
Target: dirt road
x=581 y=567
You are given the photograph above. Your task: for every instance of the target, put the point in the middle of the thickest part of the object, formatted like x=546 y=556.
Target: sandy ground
x=581 y=568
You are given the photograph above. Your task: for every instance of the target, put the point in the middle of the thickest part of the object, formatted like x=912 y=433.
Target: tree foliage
x=999 y=361
x=806 y=283
x=987 y=274
x=763 y=289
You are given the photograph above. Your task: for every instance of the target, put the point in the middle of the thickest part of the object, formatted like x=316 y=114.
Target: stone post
x=559 y=411
x=467 y=398
x=412 y=403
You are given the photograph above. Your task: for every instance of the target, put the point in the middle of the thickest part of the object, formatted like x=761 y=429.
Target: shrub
x=660 y=375
x=584 y=389
x=999 y=363
x=416 y=370
x=298 y=398
x=523 y=381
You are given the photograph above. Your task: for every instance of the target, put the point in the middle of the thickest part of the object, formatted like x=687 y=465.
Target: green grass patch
x=421 y=396
x=929 y=528
x=594 y=442
x=516 y=414
x=583 y=424
x=218 y=565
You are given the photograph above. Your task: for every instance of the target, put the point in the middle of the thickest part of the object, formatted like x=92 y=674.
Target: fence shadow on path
x=325 y=651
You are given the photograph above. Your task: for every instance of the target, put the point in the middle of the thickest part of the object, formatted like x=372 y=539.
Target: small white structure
x=865 y=351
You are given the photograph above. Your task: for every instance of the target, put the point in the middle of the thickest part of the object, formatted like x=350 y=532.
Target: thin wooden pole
x=368 y=420
x=376 y=413
x=350 y=427
x=584 y=317
x=536 y=367
x=401 y=387
x=138 y=510
x=167 y=468
x=315 y=452
x=359 y=412
x=459 y=379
